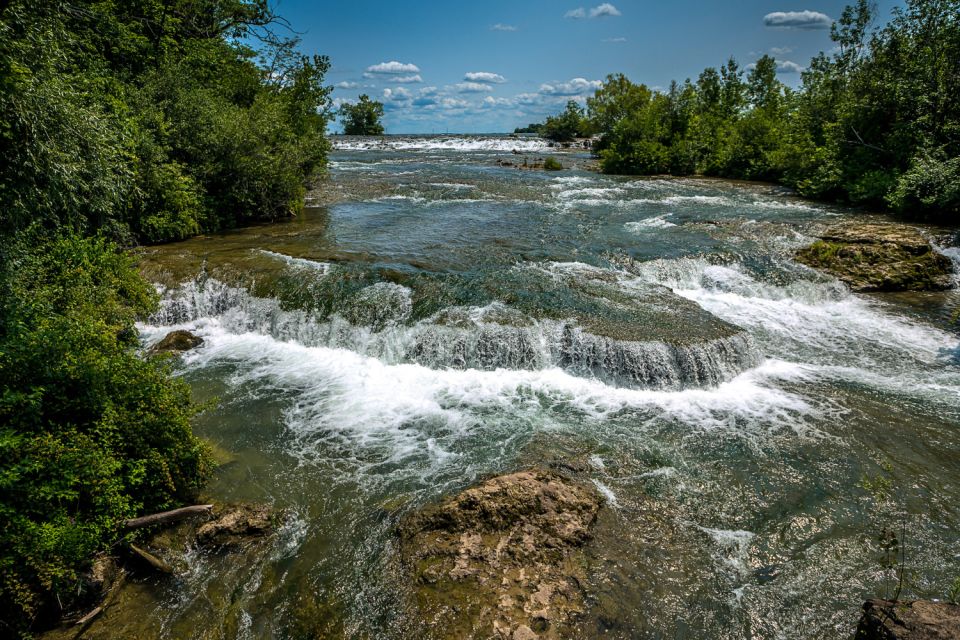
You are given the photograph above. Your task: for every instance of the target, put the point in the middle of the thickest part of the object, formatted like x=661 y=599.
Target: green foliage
x=363 y=118
x=876 y=124
x=91 y=433
x=533 y=127
x=568 y=125
x=552 y=164
x=153 y=116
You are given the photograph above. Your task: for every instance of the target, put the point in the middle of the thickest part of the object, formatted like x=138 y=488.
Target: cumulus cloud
x=614 y=40
x=574 y=87
x=604 y=10
x=809 y=20
x=399 y=94
x=786 y=66
x=503 y=27
x=414 y=79
x=346 y=84
x=393 y=67
x=781 y=51
x=490 y=101
x=472 y=87
x=454 y=103
x=484 y=76
x=527 y=98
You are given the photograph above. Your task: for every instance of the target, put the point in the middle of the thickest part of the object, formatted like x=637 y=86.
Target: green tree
x=567 y=126
x=362 y=118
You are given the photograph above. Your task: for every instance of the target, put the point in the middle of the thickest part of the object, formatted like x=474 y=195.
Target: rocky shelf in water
x=589 y=321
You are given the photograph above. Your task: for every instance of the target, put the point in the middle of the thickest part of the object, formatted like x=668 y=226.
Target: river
x=434 y=317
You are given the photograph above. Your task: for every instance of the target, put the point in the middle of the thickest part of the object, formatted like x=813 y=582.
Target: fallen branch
x=166 y=517
x=152 y=560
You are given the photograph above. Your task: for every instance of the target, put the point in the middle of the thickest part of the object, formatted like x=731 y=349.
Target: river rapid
x=433 y=318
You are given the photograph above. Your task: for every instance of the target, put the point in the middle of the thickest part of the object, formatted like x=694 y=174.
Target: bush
x=929 y=189
x=91 y=433
x=552 y=164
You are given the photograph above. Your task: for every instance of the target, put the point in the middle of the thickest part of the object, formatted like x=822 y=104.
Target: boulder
x=177 y=342
x=916 y=620
x=233 y=526
x=502 y=559
x=879 y=257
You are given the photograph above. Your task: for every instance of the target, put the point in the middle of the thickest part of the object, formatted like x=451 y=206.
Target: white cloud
x=604 y=10
x=490 y=101
x=414 y=79
x=781 y=51
x=454 y=103
x=574 y=87
x=614 y=40
x=428 y=91
x=399 y=94
x=346 y=84
x=503 y=27
x=527 y=98
x=484 y=76
x=787 y=66
x=393 y=67
x=798 y=20
x=472 y=87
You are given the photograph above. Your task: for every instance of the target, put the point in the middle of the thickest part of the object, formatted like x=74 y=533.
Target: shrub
x=552 y=164
x=90 y=433
x=929 y=189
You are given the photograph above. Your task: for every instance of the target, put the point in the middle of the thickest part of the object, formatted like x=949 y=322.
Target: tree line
x=875 y=123
x=121 y=122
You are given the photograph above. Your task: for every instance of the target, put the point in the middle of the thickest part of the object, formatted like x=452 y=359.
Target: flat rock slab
x=502 y=559
x=235 y=525
x=917 y=620
x=879 y=257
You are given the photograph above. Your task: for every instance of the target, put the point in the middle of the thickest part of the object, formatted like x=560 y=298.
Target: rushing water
x=437 y=317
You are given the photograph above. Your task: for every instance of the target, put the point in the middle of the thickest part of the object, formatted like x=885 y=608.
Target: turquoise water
x=434 y=317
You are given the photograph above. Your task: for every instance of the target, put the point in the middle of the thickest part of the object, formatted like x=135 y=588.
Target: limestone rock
x=177 y=342
x=504 y=558
x=234 y=525
x=879 y=257
x=917 y=620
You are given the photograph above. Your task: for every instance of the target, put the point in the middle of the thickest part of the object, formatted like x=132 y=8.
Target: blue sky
x=476 y=67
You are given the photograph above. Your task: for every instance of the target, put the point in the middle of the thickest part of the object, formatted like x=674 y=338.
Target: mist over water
x=444 y=318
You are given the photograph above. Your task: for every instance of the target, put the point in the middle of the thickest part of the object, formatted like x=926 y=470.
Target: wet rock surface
x=879 y=257
x=502 y=559
x=917 y=620
x=177 y=342
x=232 y=526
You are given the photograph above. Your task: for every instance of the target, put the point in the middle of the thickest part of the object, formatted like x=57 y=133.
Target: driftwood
x=152 y=560
x=166 y=517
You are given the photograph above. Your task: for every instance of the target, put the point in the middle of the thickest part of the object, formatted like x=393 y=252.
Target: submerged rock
x=177 y=342
x=879 y=257
x=502 y=559
x=235 y=525
x=917 y=620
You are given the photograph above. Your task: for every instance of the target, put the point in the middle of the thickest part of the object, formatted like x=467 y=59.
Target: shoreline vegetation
x=155 y=121
x=873 y=125
x=121 y=123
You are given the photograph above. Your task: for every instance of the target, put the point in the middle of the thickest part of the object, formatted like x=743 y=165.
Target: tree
x=363 y=118
x=566 y=126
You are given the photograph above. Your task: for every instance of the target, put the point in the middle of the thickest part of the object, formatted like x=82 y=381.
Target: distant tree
x=363 y=118
x=533 y=127
x=566 y=126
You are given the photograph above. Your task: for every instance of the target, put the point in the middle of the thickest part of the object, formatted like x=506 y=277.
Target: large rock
x=879 y=257
x=236 y=525
x=917 y=620
x=177 y=342
x=502 y=559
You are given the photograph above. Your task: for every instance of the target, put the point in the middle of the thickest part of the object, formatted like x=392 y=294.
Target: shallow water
x=444 y=318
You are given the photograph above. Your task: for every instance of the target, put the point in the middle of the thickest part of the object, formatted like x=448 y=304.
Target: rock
x=234 y=525
x=502 y=559
x=916 y=620
x=879 y=257
x=100 y=577
x=177 y=342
